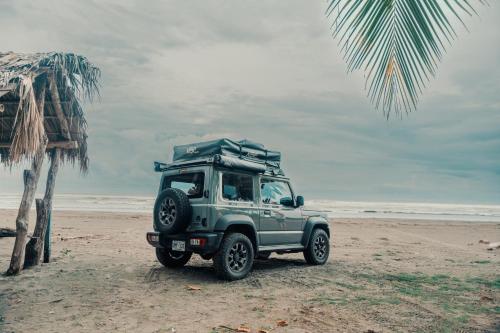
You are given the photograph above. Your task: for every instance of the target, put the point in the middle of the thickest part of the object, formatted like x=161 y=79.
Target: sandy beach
x=383 y=276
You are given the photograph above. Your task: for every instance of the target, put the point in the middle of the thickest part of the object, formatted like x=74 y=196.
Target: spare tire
x=172 y=212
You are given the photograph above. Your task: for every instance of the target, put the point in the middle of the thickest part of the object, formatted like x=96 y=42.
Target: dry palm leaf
x=193 y=288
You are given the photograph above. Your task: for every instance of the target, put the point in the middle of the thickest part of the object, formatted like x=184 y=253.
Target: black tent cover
x=243 y=149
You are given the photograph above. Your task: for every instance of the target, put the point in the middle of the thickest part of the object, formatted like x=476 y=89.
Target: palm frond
x=398 y=43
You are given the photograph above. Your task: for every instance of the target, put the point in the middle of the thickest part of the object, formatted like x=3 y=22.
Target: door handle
x=267 y=212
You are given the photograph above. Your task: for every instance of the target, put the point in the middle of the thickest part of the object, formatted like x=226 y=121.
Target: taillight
x=153 y=238
x=198 y=242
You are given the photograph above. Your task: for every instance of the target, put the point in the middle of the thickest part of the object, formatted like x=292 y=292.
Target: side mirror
x=300 y=201
x=286 y=201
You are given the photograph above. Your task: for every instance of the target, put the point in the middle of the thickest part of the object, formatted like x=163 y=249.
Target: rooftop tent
x=244 y=149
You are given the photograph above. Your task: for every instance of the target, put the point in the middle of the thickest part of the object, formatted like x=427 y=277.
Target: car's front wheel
x=234 y=259
x=172 y=259
x=318 y=249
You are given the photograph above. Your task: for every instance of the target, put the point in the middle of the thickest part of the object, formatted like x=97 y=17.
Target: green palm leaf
x=398 y=43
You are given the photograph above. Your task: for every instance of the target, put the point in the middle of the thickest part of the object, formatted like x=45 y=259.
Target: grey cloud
x=182 y=71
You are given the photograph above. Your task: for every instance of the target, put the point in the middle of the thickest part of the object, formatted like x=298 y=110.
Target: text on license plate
x=178 y=245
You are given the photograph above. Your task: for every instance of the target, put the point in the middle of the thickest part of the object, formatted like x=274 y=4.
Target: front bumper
x=210 y=245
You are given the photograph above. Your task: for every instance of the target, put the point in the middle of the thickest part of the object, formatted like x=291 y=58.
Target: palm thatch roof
x=41 y=97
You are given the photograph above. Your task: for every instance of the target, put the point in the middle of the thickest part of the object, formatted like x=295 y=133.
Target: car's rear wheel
x=172 y=259
x=234 y=260
x=318 y=249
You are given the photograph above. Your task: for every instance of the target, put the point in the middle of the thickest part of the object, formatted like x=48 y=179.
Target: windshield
x=189 y=183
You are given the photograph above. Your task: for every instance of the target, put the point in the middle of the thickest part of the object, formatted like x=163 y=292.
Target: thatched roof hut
x=41 y=97
x=56 y=83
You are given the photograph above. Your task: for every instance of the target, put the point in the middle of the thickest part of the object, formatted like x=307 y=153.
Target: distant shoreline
x=334 y=208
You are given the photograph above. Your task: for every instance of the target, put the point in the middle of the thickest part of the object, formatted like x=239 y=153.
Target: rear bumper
x=211 y=245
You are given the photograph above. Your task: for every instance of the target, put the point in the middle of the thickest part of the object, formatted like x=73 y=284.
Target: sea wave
x=334 y=208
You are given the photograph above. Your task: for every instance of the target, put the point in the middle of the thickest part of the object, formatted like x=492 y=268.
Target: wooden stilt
x=30 y=184
x=44 y=207
x=47 y=247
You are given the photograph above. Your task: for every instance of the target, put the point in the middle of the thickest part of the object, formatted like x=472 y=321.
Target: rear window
x=189 y=183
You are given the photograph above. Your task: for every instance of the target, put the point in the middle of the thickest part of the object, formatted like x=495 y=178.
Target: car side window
x=274 y=191
x=237 y=187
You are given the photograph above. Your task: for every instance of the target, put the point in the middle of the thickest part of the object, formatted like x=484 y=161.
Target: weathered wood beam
x=43 y=207
x=30 y=183
x=51 y=145
x=7 y=232
x=56 y=103
x=14 y=117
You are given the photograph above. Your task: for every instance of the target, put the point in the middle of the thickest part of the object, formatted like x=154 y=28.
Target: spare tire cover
x=172 y=211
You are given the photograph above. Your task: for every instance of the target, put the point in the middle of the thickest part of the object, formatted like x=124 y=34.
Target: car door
x=280 y=224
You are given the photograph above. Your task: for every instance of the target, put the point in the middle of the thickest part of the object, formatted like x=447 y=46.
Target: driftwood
x=43 y=207
x=493 y=246
x=7 y=232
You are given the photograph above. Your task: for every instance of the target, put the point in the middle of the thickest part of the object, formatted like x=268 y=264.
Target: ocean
x=334 y=208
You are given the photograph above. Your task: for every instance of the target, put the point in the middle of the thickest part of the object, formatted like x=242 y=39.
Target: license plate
x=178 y=245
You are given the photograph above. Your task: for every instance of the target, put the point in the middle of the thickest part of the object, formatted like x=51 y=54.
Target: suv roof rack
x=228 y=162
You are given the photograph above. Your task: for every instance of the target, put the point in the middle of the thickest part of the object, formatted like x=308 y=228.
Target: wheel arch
x=314 y=222
x=239 y=223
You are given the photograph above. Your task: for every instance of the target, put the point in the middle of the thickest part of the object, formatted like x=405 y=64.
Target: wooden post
x=30 y=184
x=47 y=246
x=33 y=248
x=44 y=208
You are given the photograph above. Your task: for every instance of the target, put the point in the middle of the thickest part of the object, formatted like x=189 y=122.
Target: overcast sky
x=183 y=71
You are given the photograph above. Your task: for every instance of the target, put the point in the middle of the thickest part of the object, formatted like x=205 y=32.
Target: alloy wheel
x=237 y=257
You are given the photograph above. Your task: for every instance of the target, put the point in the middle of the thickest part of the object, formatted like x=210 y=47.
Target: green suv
x=229 y=201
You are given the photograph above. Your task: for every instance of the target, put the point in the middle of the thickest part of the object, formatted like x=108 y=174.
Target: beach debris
x=51 y=301
x=243 y=329
x=493 y=246
x=484 y=241
x=228 y=328
x=7 y=232
x=282 y=323
x=384 y=238
x=486 y=299
x=193 y=288
x=78 y=237
x=262 y=331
